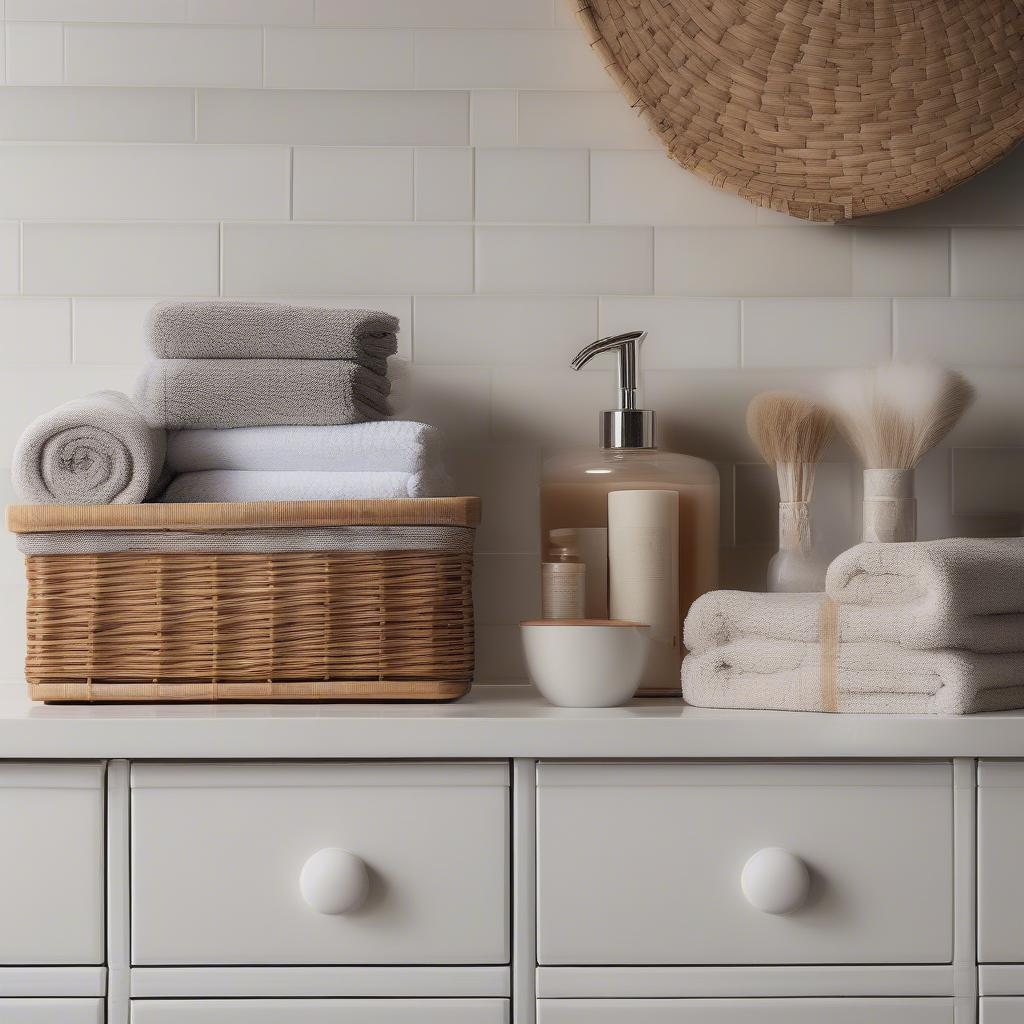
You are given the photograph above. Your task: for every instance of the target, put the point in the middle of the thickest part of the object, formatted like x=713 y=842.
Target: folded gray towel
x=187 y=393
x=270 y=330
x=96 y=450
x=285 y=485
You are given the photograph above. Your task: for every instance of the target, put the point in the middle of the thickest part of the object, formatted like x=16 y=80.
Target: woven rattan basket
x=825 y=111
x=158 y=625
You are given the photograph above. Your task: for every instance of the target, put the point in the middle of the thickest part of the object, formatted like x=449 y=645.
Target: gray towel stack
x=251 y=364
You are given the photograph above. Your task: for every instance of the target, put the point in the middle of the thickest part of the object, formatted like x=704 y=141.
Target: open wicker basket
x=119 y=611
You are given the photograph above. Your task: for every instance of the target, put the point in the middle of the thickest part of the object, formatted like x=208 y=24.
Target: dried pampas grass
x=792 y=433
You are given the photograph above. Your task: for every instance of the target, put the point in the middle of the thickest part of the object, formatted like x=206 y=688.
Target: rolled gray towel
x=189 y=393
x=96 y=450
x=270 y=330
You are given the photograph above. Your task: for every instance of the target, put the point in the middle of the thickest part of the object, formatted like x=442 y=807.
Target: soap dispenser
x=575 y=486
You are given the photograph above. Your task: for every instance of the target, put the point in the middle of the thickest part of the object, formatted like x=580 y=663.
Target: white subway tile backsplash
x=456 y=399
x=580 y=119
x=492 y=117
x=252 y=12
x=384 y=118
x=163 y=55
x=506 y=587
x=531 y=185
x=353 y=183
x=507 y=478
x=120 y=259
x=318 y=259
x=10 y=258
x=35 y=331
x=96 y=114
x=536 y=330
x=988 y=262
x=317 y=58
x=900 y=261
x=95 y=10
x=682 y=333
x=34 y=54
x=961 y=332
x=628 y=187
x=435 y=13
x=507 y=59
x=816 y=332
x=444 y=184
x=988 y=481
x=569 y=260
x=549 y=407
x=114 y=182
x=748 y=261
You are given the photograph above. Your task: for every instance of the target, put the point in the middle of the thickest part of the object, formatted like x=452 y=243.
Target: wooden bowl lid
x=822 y=111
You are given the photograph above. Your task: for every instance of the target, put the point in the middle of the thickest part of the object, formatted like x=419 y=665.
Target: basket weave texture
x=334 y=625
x=825 y=111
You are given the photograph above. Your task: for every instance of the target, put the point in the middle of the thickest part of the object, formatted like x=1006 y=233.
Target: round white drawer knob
x=334 y=881
x=775 y=881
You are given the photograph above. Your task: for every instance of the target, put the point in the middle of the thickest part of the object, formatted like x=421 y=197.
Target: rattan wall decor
x=823 y=109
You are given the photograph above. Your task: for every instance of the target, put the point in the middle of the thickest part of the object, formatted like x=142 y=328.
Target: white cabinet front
x=1002 y=1010
x=51 y=1011
x=744 y=863
x=320 y=1011
x=746 y=1011
x=320 y=864
x=51 y=865
x=1000 y=840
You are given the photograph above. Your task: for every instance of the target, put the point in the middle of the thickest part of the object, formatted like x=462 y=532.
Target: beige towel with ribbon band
x=820 y=671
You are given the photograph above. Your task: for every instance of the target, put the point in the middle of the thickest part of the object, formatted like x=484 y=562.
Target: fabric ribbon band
x=828 y=671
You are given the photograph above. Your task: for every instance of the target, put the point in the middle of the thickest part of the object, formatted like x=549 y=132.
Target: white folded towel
x=872 y=678
x=274 y=485
x=963 y=594
x=796 y=662
x=398 y=446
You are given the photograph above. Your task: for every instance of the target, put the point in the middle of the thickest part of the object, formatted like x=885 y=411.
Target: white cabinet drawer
x=745 y=1011
x=218 y=850
x=1002 y=1010
x=51 y=864
x=1000 y=841
x=320 y=1011
x=51 y=1011
x=641 y=863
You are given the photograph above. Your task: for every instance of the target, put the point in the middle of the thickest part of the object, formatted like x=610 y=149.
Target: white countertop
x=493 y=721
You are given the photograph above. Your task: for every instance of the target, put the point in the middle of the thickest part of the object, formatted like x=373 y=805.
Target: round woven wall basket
x=825 y=110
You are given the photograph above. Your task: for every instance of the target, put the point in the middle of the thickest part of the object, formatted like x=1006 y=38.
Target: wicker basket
x=146 y=625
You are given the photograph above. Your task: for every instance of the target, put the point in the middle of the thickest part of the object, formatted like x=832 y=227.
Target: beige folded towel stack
x=921 y=628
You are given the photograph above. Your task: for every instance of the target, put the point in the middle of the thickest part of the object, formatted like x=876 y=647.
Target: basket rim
x=194 y=516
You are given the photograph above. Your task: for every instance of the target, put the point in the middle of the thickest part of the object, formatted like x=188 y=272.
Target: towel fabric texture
x=962 y=593
x=274 y=485
x=270 y=330
x=809 y=652
x=873 y=678
x=96 y=450
x=452 y=539
x=197 y=393
x=398 y=446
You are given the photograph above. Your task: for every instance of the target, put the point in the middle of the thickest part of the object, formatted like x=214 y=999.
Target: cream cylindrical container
x=890 y=508
x=563 y=579
x=643 y=576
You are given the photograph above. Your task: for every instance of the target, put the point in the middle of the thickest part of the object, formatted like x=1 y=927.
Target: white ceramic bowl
x=585 y=663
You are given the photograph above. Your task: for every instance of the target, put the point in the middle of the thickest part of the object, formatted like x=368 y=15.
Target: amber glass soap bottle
x=575 y=487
